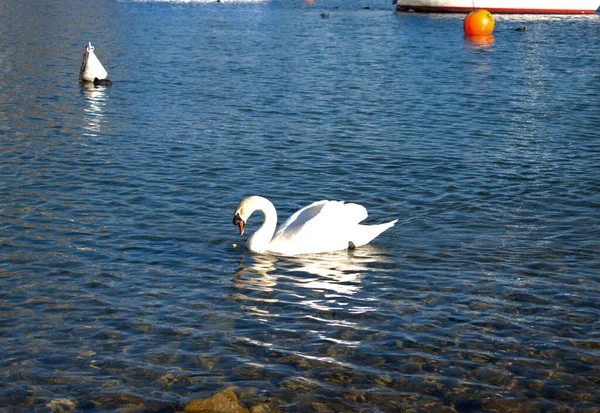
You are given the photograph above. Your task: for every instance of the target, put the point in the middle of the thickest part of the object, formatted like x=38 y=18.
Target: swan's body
x=323 y=226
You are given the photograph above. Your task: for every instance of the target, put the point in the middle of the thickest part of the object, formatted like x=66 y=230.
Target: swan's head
x=243 y=212
x=246 y=208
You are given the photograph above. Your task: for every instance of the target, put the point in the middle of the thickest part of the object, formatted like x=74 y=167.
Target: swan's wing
x=320 y=227
x=301 y=217
x=327 y=213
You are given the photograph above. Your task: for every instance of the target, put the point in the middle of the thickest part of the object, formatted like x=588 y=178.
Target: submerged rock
x=61 y=406
x=223 y=402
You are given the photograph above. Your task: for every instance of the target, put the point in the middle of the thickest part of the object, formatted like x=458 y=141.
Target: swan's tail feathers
x=368 y=233
x=382 y=227
x=385 y=226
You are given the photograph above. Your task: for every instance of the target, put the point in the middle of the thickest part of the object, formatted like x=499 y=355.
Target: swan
x=323 y=226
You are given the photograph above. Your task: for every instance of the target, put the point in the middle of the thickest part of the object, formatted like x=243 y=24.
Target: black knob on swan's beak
x=239 y=222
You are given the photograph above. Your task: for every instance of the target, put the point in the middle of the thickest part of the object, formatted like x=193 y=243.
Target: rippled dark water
x=123 y=283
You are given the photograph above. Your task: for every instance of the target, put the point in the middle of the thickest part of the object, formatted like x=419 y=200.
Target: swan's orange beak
x=239 y=222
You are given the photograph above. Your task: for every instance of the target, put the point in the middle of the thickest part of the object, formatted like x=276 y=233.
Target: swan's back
x=323 y=226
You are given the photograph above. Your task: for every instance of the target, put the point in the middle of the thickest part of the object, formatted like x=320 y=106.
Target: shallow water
x=124 y=284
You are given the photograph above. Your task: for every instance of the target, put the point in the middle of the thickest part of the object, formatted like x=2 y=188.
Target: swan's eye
x=237 y=219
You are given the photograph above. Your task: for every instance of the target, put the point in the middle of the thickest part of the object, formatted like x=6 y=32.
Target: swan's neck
x=260 y=240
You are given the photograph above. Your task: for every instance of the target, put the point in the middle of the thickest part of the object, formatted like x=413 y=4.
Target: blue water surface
x=124 y=284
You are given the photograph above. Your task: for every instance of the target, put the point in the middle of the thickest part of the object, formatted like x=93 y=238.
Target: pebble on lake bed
x=61 y=406
x=223 y=402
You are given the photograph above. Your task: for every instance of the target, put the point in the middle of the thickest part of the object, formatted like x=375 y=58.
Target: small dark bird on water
x=521 y=29
x=324 y=15
x=102 y=82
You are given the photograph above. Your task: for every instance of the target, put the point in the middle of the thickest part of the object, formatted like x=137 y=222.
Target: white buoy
x=91 y=68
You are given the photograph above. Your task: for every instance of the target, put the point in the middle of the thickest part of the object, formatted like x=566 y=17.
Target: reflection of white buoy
x=91 y=68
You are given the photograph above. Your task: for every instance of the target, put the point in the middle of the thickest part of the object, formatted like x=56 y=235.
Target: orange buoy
x=479 y=22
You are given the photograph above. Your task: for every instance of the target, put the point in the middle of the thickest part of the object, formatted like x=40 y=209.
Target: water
x=124 y=285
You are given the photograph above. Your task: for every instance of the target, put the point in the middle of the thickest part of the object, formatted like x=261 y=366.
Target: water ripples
x=124 y=285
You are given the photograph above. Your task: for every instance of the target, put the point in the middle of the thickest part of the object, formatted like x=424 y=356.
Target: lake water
x=125 y=286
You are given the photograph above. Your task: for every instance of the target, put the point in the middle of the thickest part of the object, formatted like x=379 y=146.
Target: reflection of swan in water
x=318 y=282
x=96 y=99
x=340 y=272
x=259 y=275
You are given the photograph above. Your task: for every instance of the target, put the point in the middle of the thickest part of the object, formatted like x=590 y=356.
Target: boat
x=500 y=6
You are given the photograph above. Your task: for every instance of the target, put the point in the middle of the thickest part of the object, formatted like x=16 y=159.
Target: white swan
x=323 y=226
